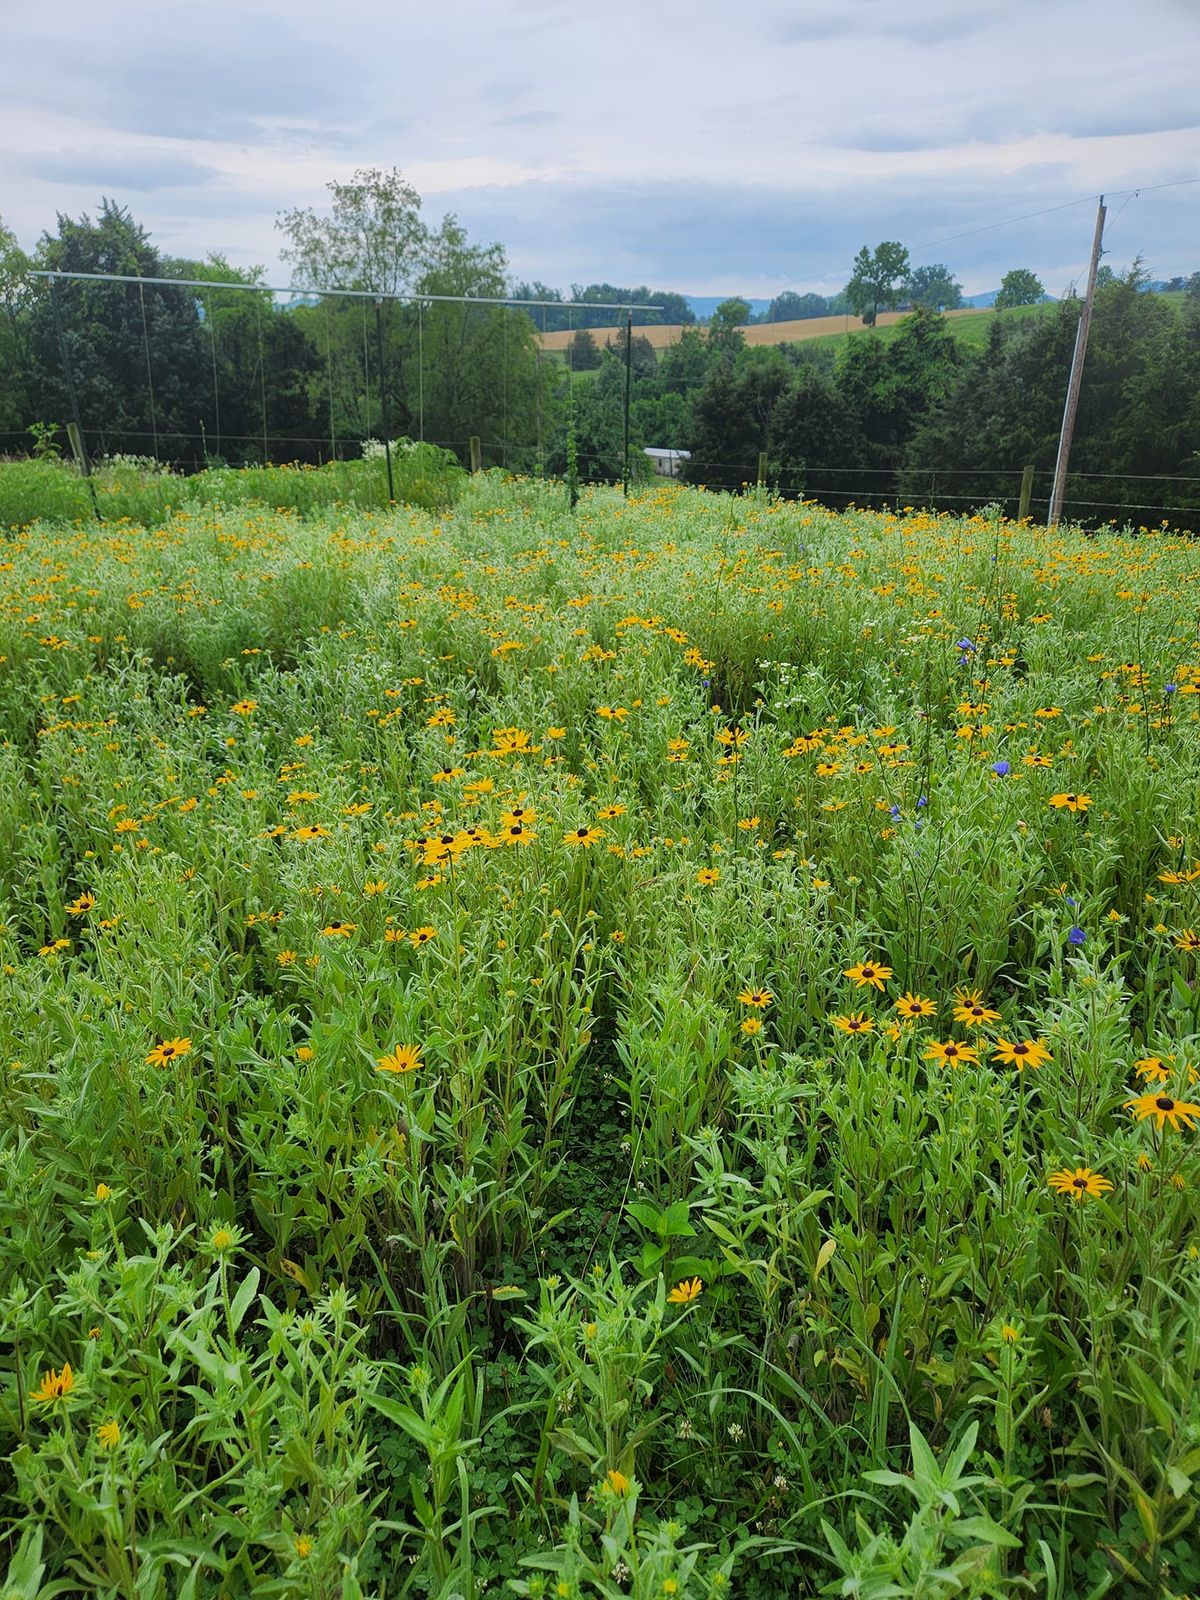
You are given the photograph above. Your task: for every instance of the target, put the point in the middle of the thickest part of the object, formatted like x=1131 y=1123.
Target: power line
x=1027 y=216
x=353 y=294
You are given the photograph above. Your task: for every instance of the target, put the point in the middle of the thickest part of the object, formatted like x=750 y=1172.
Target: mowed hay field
x=666 y=334
x=650 y=1052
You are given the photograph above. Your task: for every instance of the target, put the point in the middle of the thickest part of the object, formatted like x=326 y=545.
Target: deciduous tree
x=877 y=279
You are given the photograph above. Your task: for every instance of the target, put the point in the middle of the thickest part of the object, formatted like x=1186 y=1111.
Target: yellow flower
x=616 y=1481
x=583 y=836
x=108 y=1434
x=1025 y=1053
x=1163 y=1108
x=751 y=1025
x=222 y=1240
x=103 y=1192
x=707 y=876
x=950 y=1054
x=1080 y=1184
x=1009 y=1334
x=168 y=1050
x=54 y=1386
x=82 y=904
x=1070 y=802
x=374 y=887
x=873 y=973
x=305 y=1052
x=856 y=1022
x=759 y=998
x=243 y=708
x=683 y=1293
x=338 y=930
x=972 y=1011
x=303 y=1547
x=404 y=1058
x=286 y=957
x=913 y=1006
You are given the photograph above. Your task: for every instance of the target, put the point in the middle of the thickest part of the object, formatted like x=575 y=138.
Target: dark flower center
x=1020 y=1049
x=1079 y=1183
x=1164 y=1104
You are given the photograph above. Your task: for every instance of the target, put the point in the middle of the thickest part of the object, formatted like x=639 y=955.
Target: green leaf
x=243 y=1298
x=986 y=1531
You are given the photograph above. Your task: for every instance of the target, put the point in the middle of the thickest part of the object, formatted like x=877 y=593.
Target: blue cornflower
x=1001 y=768
x=964 y=645
x=921 y=800
x=1169 y=688
x=1076 y=936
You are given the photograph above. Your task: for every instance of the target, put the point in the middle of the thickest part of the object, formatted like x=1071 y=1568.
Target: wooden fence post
x=476 y=454
x=762 y=468
x=1026 y=494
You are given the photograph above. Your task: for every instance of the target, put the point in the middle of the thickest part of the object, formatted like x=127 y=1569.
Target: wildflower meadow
x=645 y=1051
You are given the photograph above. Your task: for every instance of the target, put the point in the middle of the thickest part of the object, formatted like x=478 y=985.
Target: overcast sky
x=706 y=147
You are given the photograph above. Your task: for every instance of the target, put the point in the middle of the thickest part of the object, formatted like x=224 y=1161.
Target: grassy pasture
x=645 y=1053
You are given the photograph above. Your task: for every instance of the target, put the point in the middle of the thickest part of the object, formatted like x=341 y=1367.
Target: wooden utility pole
x=1076 y=378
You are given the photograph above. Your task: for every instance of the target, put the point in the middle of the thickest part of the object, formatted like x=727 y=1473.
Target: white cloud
x=619 y=143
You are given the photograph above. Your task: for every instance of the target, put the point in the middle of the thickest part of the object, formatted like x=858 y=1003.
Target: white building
x=669 y=463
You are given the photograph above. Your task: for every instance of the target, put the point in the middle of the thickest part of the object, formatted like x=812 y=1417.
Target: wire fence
x=198 y=374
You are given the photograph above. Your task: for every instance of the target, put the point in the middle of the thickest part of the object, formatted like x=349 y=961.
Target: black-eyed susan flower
x=517 y=833
x=855 y=1022
x=872 y=973
x=971 y=1010
x=760 y=999
x=108 y=1435
x=167 y=1051
x=404 y=1058
x=1021 y=1054
x=338 y=930
x=1151 y=1069
x=707 y=876
x=687 y=1291
x=953 y=1053
x=751 y=1025
x=82 y=904
x=1081 y=1184
x=1070 y=801
x=585 y=837
x=1163 y=1108
x=1185 y=939
x=54 y=1386
x=912 y=1007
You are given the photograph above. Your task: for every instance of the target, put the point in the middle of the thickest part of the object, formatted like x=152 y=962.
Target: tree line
x=921 y=417
x=202 y=375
